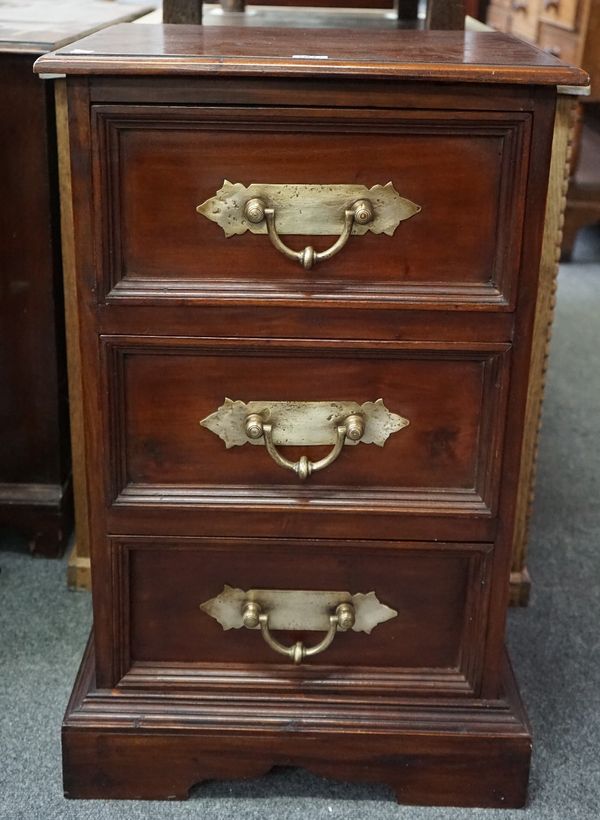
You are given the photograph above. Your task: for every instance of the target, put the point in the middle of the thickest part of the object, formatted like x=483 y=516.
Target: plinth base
x=127 y=744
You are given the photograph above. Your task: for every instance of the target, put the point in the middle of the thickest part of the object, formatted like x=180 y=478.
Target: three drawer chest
x=305 y=272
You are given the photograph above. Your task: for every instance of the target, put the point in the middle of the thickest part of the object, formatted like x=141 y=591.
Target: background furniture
x=569 y=29
x=35 y=465
x=440 y=14
x=174 y=316
x=562 y=145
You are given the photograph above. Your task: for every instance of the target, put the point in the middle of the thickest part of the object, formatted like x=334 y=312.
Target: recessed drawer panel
x=464 y=173
x=410 y=609
x=423 y=424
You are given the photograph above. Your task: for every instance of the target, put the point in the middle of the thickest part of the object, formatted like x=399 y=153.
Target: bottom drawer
x=425 y=620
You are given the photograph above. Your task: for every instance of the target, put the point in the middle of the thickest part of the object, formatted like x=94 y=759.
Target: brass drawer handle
x=273 y=424
x=307 y=210
x=328 y=611
x=352 y=427
x=342 y=620
x=360 y=212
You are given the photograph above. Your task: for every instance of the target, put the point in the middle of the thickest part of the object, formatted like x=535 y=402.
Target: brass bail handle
x=352 y=427
x=342 y=620
x=361 y=212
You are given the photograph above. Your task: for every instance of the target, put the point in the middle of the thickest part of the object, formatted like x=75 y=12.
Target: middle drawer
x=431 y=444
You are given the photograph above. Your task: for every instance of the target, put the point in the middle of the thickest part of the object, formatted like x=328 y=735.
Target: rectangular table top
x=466 y=56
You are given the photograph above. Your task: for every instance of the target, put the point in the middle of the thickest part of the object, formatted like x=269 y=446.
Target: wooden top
x=489 y=57
x=37 y=26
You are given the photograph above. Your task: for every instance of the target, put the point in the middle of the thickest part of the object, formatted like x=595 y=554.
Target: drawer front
x=466 y=171
x=561 y=12
x=560 y=43
x=426 y=617
x=445 y=459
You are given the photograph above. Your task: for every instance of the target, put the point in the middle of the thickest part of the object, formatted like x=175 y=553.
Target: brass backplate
x=303 y=423
x=308 y=210
x=297 y=609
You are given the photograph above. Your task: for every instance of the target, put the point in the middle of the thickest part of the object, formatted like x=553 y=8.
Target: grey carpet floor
x=555 y=643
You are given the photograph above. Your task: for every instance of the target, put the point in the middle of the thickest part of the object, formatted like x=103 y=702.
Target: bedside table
x=306 y=271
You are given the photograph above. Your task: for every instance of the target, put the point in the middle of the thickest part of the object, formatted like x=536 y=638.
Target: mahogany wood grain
x=408 y=95
x=439 y=628
x=424 y=55
x=161 y=388
x=445 y=751
x=173 y=514
x=275 y=321
x=157 y=164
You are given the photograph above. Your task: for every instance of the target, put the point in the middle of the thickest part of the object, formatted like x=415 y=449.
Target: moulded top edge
x=452 y=56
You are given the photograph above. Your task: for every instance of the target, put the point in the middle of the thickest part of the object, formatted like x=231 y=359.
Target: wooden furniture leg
x=182 y=11
x=407 y=9
x=446 y=14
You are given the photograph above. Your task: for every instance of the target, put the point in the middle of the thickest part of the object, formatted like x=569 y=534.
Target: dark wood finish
x=174 y=516
x=407 y=9
x=424 y=55
x=442 y=458
x=35 y=483
x=448 y=15
x=182 y=11
x=36 y=496
x=435 y=641
x=170 y=252
x=445 y=752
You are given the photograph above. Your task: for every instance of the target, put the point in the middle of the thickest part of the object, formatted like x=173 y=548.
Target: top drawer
x=467 y=171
